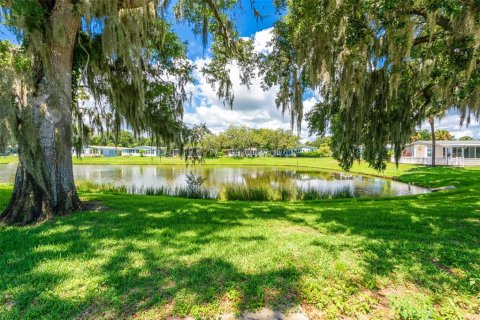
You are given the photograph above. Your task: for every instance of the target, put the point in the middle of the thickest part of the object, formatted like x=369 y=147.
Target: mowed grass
x=149 y=257
x=8 y=159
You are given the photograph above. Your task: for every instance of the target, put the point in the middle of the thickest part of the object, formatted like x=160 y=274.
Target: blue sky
x=246 y=23
x=254 y=107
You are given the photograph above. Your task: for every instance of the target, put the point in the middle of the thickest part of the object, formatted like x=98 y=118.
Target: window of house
x=466 y=152
x=478 y=153
x=454 y=152
x=469 y=152
x=429 y=152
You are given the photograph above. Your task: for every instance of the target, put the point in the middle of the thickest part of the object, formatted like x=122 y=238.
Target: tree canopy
x=425 y=135
x=380 y=67
x=122 y=52
x=240 y=138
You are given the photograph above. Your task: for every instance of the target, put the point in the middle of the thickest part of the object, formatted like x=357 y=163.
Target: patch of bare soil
x=94 y=206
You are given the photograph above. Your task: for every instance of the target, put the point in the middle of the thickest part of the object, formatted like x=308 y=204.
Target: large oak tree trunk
x=44 y=184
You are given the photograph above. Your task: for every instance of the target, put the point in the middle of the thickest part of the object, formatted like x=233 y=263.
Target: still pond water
x=218 y=177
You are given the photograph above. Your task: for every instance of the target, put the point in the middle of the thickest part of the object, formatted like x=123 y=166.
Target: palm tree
x=434 y=111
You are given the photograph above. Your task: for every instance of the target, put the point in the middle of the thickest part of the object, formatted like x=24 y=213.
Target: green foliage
x=324 y=151
x=426 y=135
x=443 y=134
x=380 y=67
x=127 y=54
x=241 y=138
x=423 y=135
x=247 y=193
x=194 y=186
x=122 y=139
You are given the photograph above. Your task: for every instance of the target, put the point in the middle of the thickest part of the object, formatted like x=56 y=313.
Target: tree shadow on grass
x=439 y=176
x=147 y=256
x=434 y=240
x=154 y=253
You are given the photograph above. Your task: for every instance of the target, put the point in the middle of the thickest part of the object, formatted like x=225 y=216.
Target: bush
x=312 y=193
x=323 y=151
x=89 y=186
x=311 y=154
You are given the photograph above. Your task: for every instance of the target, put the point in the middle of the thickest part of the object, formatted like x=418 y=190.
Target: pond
x=217 y=178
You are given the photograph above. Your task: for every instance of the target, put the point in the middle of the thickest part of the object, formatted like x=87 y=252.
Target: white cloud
x=451 y=122
x=261 y=40
x=253 y=107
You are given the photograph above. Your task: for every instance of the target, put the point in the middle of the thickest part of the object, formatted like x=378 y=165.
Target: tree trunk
x=44 y=184
x=432 y=128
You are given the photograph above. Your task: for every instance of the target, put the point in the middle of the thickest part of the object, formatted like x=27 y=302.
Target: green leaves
x=381 y=67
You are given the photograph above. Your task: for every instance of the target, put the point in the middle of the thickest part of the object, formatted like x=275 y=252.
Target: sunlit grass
x=151 y=257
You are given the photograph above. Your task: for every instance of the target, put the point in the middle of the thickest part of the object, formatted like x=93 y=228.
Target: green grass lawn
x=415 y=257
x=8 y=159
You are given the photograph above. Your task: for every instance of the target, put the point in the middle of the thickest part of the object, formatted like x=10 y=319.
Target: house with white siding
x=108 y=151
x=447 y=153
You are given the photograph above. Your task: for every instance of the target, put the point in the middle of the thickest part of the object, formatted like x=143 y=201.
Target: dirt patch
x=94 y=206
x=269 y=314
x=313 y=313
x=9 y=302
x=89 y=312
x=452 y=271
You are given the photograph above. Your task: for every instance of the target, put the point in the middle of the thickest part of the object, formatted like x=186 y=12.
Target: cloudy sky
x=252 y=107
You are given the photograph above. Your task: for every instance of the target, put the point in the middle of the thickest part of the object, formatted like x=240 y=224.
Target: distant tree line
x=240 y=138
x=441 y=134
x=123 y=139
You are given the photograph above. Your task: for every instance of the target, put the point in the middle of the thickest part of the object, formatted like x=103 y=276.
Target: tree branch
x=441 y=21
x=220 y=22
x=425 y=39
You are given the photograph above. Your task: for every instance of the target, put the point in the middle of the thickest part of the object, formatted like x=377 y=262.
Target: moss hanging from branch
x=380 y=67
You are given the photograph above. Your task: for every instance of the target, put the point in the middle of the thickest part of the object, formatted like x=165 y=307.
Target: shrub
x=247 y=194
x=287 y=194
x=312 y=193
x=89 y=186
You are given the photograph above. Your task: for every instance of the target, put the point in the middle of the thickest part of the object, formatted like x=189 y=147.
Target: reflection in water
x=217 y=177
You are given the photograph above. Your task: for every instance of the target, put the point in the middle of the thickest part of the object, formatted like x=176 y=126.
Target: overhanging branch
x=441 y=21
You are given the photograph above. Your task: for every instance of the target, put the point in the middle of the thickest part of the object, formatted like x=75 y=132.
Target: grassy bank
x=412 y=257
x=8 y=159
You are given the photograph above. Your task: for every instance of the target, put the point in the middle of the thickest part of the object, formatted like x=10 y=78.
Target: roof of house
x=123 y=148
x=450 y=143
x=107 y=147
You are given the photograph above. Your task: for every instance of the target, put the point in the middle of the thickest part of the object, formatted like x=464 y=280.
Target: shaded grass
x=151 y=257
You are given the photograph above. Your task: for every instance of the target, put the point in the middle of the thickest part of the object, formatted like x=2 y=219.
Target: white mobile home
x=108 y=151
x=447 y=153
